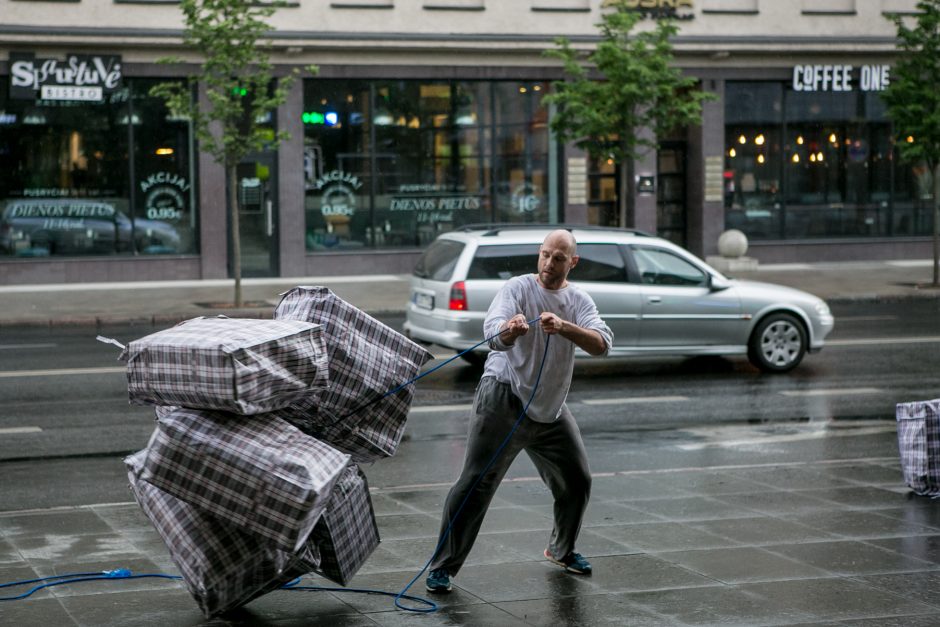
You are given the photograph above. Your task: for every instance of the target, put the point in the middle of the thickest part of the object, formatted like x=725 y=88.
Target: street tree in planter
x=913 y=102
x=626 y=84
x=240 y=88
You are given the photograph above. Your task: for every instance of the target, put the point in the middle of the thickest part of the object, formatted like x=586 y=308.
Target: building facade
x=426 y=115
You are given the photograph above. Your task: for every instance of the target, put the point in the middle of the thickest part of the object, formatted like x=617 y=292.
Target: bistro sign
x=79 y=77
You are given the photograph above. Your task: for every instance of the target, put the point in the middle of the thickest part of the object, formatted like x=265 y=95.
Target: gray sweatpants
x=556 y=450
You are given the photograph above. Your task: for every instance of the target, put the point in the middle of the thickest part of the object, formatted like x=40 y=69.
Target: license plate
x=424 y=301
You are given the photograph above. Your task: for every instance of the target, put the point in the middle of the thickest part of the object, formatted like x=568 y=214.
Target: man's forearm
x=588 y=340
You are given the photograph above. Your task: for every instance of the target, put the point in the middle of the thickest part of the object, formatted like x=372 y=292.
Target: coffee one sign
x=78 y=77
x=840 y=77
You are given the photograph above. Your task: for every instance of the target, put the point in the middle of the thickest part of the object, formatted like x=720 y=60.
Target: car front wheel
x=777 y=344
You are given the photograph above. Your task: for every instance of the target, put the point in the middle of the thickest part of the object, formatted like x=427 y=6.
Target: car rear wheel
x=778 y=343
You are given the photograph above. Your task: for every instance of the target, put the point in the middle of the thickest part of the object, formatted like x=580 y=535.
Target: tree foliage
x=913 y=100
x=625 y=84
x=240 y=87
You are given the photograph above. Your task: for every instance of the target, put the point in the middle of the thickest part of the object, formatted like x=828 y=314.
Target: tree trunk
x=234 y=230
x=622 y=192
x=936 y=224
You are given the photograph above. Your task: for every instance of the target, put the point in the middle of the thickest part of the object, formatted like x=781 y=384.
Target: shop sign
x=71 y=209
x=841 y=77
x=526 y=198
x=339 y=195
x=658 y=9
x=164 y=199
x=80 y=77
x=433 y=203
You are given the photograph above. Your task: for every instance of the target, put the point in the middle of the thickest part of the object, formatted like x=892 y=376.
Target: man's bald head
x=560 y=238
x=557 y=256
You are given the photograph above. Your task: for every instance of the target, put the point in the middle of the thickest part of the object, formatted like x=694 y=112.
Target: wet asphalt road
x=65 y=422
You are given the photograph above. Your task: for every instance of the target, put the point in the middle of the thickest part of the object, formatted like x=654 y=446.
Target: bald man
x=548 y=432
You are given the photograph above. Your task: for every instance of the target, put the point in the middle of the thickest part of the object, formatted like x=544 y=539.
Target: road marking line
x=427 y=409
x=14 y=430
x=13 y=347
x=866 y=318
x=793 y=437
x=10 y=374
x=875 y=341
x=634 y=399
x=831 y=392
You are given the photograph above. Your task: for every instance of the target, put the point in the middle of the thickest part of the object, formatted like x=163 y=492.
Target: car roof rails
x=495 y=228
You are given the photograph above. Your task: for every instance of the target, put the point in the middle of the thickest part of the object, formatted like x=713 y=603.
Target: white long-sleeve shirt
x=518 y=364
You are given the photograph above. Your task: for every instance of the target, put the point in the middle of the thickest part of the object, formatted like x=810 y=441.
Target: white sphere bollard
x=732 y=244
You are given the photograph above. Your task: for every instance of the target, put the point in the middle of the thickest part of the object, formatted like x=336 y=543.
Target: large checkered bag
x=258 y=473
x=919 y=445
x=367 y=359
x=346 y=534
x=222 y=566
x=242 y=365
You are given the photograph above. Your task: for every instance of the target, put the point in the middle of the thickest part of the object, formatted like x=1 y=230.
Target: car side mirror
x=718 y=283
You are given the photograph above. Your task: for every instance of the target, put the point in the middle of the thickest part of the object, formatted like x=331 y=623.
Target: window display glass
x=393 y=163
x=812 y=164
x=105 y=177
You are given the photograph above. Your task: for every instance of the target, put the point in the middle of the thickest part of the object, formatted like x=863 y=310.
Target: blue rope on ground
x=58 y=580
x=124 y=573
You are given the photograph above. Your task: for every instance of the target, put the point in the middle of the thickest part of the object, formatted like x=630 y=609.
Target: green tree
x=240 y=89
x=913 y=102
x=626 y=84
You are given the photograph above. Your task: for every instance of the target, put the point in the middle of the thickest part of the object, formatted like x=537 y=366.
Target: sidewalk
x=168 y=302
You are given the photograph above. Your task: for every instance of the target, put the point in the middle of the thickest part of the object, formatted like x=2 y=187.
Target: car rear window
x=438 y=261
x=504 y=262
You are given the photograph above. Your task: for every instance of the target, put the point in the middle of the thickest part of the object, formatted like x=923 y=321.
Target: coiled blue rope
x=123 y=573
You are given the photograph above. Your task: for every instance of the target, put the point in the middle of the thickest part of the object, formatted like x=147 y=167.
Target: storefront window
x=393 y=163
x=808 y=164
x=70 y=188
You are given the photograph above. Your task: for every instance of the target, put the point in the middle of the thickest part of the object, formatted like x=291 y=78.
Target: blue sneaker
x=573 y=563
x=438 y=581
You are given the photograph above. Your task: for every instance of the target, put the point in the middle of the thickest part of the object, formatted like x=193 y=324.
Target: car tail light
x=458 y=296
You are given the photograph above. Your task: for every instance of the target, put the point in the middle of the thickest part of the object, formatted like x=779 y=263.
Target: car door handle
x=654 y=299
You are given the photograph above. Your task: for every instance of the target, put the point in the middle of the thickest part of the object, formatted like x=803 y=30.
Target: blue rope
x=123 y=573
x=58 y=580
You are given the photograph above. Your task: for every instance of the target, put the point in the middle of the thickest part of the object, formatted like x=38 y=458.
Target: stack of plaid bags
x=919 y=445
x=251 y=474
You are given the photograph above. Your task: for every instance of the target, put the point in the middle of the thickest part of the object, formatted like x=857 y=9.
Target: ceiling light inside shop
x=323 y=101
x=732 y=153
x=833 y=139
x=819 y=156
x=799 y=140
x=742 y=139
x=759 y=140
x=536 y=88
x=812 y=158
x=760 y=158
x=414 y=122
x=910 y=139
x=795 y=158
x=383 y=118
x=523 y=90
x=164 y=152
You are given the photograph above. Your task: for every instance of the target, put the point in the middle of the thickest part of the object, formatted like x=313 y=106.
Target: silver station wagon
x=657 y=298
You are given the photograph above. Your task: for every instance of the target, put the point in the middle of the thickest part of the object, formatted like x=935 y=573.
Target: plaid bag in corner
x=241 y=365
x=257 y=473
x=222 y=566
x=366 y=360
x=919 y=445
x=346 y=534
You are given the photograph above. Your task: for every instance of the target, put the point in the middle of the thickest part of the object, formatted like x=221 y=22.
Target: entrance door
x=670 y=195
x=257 y=213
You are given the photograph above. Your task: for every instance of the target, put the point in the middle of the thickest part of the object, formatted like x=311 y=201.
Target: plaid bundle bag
x=258 y=473
x=346 y=534
x=366 y=360
x=222 y=566
x=919 y=445
x=241 y=365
